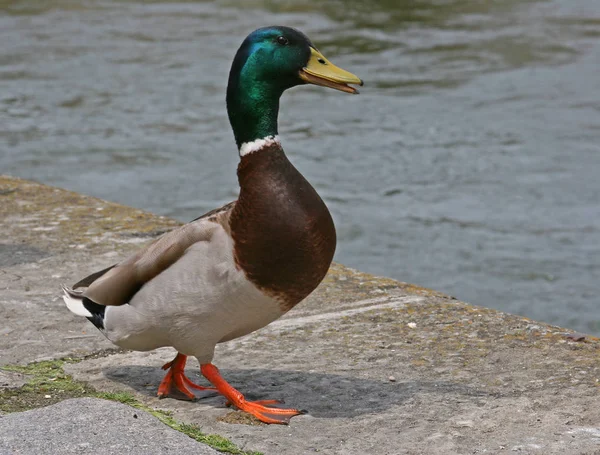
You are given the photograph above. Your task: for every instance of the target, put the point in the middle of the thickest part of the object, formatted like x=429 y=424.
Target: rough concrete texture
x=383 y=367
x=12 y=379
x=92 y=426
x=49 y=237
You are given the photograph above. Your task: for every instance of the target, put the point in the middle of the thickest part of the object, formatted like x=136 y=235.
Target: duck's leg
x=256 y=408
x=176 y=382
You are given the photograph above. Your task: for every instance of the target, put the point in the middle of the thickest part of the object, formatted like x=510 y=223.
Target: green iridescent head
x=269 y=61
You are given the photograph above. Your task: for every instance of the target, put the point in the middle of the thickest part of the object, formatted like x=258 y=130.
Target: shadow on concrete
x=322 y=395
x=11 y=255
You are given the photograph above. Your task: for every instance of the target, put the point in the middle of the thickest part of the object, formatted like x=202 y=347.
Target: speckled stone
x=92 y=426
x=467 y=379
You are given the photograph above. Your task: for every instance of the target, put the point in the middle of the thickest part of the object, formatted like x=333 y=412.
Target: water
x=469 y=164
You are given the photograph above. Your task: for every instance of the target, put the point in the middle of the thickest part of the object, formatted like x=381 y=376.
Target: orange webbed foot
x=268 y=414
x=260 y=409
x=176 y=384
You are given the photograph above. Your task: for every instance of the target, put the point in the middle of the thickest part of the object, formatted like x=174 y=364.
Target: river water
x=469 y=163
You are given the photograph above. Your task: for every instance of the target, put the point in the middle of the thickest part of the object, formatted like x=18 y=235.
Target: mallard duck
x=237 y=268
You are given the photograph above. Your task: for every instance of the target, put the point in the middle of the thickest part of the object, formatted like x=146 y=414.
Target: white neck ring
x=257 y=144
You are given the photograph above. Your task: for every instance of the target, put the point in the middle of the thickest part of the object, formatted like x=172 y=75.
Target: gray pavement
x=92 y=426
x=383 y=367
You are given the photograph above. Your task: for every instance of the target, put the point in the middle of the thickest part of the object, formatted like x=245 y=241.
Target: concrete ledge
x=92 y=426
x=383 y=367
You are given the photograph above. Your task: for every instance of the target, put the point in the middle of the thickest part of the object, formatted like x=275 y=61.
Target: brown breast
x=283 y=234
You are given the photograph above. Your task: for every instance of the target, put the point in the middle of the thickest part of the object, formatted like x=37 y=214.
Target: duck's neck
x=252 y=107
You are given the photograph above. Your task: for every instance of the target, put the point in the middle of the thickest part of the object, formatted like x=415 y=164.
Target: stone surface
x=49 y=237
x=466 y=379
x=12 y=379
x=469 y=380
x=92 y=426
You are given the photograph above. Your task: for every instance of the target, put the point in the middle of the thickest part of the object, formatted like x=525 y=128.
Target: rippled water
x=469 y=164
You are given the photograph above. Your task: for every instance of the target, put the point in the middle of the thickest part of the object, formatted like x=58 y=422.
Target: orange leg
x=175 y=381
x=256 y=408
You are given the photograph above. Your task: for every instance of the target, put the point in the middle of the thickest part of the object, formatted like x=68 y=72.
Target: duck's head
x=269 y=61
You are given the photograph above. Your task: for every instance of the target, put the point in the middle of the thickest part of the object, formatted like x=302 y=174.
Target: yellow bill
x=320 y=71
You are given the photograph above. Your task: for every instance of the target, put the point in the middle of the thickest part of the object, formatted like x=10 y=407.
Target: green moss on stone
x=49 y=384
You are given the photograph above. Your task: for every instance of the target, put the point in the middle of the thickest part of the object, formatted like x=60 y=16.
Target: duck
x=239 y=267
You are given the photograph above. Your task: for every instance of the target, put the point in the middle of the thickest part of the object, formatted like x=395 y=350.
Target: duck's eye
x=282 y=40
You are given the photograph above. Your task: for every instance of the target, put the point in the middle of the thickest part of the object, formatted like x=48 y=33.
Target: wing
x=116 y=285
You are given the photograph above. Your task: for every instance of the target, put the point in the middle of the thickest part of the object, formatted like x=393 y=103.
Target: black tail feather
x=97 y=312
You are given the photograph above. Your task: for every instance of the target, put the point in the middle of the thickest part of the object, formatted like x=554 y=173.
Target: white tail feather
x=75 y=304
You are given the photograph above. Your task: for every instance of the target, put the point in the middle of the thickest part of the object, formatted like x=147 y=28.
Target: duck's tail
x=74 y=301
x=82 y=306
